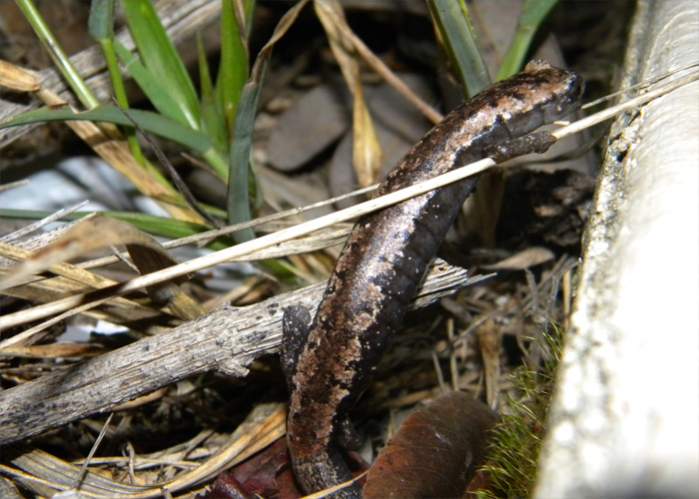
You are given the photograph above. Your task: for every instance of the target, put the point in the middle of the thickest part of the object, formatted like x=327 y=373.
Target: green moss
x=511 y=462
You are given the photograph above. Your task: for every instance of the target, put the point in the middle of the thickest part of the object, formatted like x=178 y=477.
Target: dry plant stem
x=70 y=272
x=33 y=227
x=226 y=341
x=384 y=71
x=13 y=185
x=229 y=229
x=89 y=300
x=83 y=467
x=641 y=86
x=610 y=112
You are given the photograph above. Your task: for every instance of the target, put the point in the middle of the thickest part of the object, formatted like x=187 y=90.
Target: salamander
x=329 y=358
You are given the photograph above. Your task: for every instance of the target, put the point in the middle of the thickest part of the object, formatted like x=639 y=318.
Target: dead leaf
x=265 y=474
x=99 y=232
x=434 y=453
x=489 y=340
x=17 y=78
x=366 y=149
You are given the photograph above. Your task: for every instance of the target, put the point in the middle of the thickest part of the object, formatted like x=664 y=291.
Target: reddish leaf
x=434 y=453
x=266 y=474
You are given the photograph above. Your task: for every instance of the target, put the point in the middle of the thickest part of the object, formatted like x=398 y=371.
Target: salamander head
x=540 y=94
x=557 y=92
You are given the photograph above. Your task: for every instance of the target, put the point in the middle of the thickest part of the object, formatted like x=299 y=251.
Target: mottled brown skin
x=378 y=273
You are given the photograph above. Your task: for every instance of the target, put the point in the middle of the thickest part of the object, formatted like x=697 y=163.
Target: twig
x=95 y=446
x=229 y=229
x=226 y=340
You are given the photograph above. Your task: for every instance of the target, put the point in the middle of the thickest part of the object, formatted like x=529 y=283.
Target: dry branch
x=226 y=341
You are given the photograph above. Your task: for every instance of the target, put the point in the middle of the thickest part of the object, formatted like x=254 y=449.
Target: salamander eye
x=576 y=86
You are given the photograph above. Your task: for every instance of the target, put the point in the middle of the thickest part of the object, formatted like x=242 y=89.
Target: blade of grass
x=238 y=204
x=533 y=14
x=59 y=58
x=104 y=140
x=174 y=176
x=157 y=226
x=149 y=121
x=100 y=25
x=238 y=198
x=153 y=86
x=233 y=65
x=112 y=151
x=101 y=28
x=248 y=8
x=456 y=30
x=160 y=57
x=212 y=119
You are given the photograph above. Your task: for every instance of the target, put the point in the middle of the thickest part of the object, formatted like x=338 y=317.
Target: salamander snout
x=567 y=100
x=576 y=86
x=574 y=89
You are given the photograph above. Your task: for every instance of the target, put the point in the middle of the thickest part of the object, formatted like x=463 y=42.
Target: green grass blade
x=161 y=59
x=238 y=203
x=249 y=6
x=456 y=30
x=212 y=118
x=533 y=14
x=59 y=58
x=155 y=88
x=206 y=86
x=158 y=226
x=233 y=65
x=101 y=27
x=150 y=122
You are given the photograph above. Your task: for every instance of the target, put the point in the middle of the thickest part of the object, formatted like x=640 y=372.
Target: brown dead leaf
x=434 y=453
x=366 y=150
x=489 y=340
x=99 y=232
x=263 y=475
x=17 y=78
